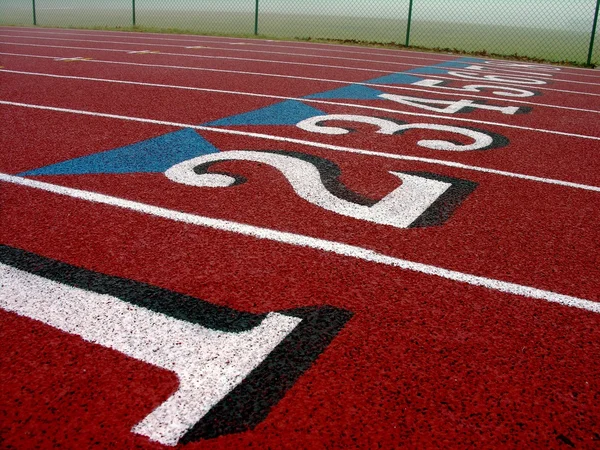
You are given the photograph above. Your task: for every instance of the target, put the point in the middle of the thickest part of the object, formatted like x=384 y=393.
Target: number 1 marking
x=233 y=367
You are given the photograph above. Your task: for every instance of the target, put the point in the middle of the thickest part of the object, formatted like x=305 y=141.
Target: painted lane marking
x=310 y=242
x=326 y=80
x=286 y=44
x=313 y=144
x=232 y=58
x=143 y=52
x=208 y=363
x=327 y=102
x=74 y=59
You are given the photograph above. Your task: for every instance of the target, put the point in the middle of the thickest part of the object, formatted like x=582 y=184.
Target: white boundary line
x=312 y=144
x=327 y=80
x=300 y=240
x=285 y=44
x=308 y=100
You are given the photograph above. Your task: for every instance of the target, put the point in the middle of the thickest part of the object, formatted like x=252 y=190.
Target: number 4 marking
x=452 y=107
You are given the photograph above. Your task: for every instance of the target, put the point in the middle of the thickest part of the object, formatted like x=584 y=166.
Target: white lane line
x=318 y=46
x=237 y=50
x=311 y=144
x=300 y=240
x=328 y=102
x=352 y=105
x=427 y=76
x=209 y=363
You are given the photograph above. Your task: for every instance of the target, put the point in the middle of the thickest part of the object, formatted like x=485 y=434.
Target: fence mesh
x=556 y=30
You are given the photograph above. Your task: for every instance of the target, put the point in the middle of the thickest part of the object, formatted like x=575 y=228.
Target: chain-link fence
x=555 y=30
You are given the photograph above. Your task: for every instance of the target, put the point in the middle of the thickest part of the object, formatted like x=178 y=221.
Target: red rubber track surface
x=425 y=362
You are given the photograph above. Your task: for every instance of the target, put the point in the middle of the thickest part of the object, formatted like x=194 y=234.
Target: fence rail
x=555 y=30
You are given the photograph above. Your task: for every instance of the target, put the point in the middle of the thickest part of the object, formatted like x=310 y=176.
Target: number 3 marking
x=421 y=200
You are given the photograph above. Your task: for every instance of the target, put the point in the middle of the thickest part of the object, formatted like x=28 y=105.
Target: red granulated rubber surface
x=424 y=362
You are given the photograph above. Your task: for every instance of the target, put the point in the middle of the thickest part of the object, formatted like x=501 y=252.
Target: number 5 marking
x=421 y=199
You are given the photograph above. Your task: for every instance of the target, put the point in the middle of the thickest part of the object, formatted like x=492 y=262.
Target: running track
x=223 y=243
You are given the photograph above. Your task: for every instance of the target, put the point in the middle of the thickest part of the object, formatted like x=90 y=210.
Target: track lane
x=492 y=203
x=399 y=340
x=577 y=165
x=285 y=69
x=320 y=47
x=424 y=360
x=245 y=81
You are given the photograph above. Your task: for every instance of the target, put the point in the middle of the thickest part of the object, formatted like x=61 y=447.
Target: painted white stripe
x=312 y=144
x=322 y=245
x=251 y=94
x=318 y=46
x=208 y=363
x=352 y=105
x=294 y=77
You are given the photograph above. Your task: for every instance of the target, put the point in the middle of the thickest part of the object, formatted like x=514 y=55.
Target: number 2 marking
x=421 y=199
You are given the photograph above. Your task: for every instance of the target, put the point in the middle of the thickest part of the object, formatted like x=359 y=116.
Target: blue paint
x=429 y=71
x=454 y=65
x=152 y=155
x=352 y=92
x=396 y=78
x=289 y=112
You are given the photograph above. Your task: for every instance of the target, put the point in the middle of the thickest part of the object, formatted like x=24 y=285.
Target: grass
x=540 y=45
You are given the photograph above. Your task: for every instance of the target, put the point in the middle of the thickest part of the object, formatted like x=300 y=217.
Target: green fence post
x=410 y=7
x=256 y=18
x=133 y=10
x=589 y=60
x=34 y=19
